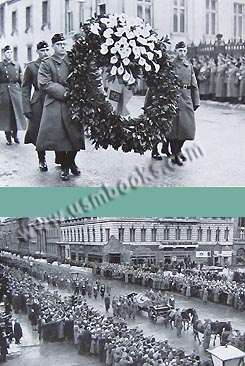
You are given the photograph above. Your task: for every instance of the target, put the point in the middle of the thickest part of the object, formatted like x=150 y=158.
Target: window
x=217 y=236
x=45 y=13
x=132 y=234
x=14 y=22
x=94 y=238
x=189 y=233
x=211 y=16
x=29 y=53
x=88 y=232
x=177 y=233
x=166 y=233
x=199 y=234
x=2 y=20
x=238 y=20
x=28 y=18
x=143 y=234
x=78 y=234
x=121 y=234
x=242 y=234
x=209 y=233
x=68 y=17
x=101 y=234
x=179 y=16
x=81 y=14
x=74 y=235
x=144 y=10
x=83 y=234
x=154 y=234
x=102 y=9
x=226 y=234
x=15 y=52
x=107 y=234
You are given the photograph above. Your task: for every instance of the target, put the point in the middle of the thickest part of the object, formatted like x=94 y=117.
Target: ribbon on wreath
x=119 y=96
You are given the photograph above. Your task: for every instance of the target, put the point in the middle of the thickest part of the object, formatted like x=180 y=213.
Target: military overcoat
x=220 y=81
x=10 y=97
x=184 y=127
x=58 y=131
x=32 y=100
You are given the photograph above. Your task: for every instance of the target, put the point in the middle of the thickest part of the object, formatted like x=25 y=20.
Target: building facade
x=25 y=22
x=156 y=241
x=239 y=242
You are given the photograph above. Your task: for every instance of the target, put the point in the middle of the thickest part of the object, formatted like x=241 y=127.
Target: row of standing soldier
x=222 y=79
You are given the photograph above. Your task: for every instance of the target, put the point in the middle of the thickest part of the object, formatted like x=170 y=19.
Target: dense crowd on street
x=206 y=285
x=70 y=318
x=221 y=79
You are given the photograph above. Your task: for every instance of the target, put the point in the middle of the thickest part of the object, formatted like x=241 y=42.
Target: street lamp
x=227 y=356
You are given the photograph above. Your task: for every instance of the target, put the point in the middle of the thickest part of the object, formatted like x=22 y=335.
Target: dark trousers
x=13 y=126
x=176 y=146
x=66 y=158
x=41 y=156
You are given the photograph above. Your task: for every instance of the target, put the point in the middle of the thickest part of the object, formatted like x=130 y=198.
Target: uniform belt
x=186 y=87
x=11 y=81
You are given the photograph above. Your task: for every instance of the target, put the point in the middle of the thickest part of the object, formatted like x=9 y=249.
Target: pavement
x=33 y=352
x=217 y=158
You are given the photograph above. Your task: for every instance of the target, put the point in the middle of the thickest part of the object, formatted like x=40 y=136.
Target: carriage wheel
x=152 y=315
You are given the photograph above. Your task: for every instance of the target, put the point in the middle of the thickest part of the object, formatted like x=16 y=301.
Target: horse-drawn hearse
x=155 y=308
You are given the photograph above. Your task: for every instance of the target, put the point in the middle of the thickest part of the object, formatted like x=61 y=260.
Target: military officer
x=12 y=118
x=58 y=132
x=33 y=102
x=183 y=127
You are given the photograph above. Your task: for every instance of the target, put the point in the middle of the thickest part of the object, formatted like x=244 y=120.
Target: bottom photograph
x=118 y=291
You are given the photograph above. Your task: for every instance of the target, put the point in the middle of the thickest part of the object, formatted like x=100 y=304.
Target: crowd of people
x=221 y=79
x=206 y=285
x=60 y=318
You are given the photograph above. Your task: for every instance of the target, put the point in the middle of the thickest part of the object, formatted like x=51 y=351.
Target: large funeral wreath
x=128 y=50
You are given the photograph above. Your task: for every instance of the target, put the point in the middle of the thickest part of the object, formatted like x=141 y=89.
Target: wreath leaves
x=89 y=104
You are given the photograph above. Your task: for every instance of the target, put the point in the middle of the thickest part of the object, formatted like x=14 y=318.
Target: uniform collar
x=180 y=63
x=38 y=62
x=58 y=59
x=11 y=62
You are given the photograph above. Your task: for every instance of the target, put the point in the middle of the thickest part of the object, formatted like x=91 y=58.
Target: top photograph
x=122 y=93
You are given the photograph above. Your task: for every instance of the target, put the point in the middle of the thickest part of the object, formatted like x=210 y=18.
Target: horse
x=186 y=315
x=217 y=327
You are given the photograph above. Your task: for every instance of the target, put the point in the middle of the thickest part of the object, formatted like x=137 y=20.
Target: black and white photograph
x=95 y=92
x=116 y=291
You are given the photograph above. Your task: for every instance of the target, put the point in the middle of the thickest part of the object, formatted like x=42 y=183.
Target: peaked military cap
x=57 y=38
x=180 y=44
x=7 y=48
x=41 y=45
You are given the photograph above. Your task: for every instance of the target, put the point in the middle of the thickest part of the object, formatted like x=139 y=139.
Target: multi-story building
x=155 y=240
x=25 y=22
x=239 y=242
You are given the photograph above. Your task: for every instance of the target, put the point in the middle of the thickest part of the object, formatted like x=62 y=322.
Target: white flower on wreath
x=111 y=21
x=147 y=67
x=125 y=52
x=142 y=61
x=113 y=71
x=142 y=40
x=109 y=42
x=151 y=45
x=95 y=28
x=150 y=55
x=136 y=52
x=108 y=33
x=131 y=80
x=159 y=53
x=126 y=76
x=157 y=67
x=120 y=31
x=114 y=60
x=104 y=49
x=126 y=61
x=120 y=70
x=132 y=43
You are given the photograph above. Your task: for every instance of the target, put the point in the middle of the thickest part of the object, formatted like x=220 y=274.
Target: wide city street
x=36 y=353
x=217 y=158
